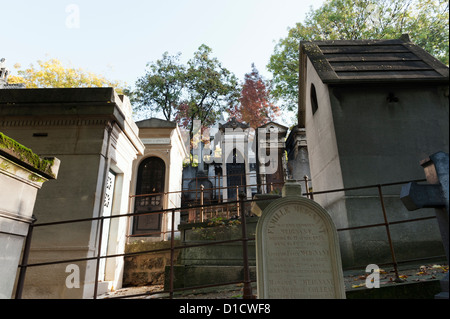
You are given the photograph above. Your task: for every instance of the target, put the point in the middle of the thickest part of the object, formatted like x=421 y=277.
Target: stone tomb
x=298 y=254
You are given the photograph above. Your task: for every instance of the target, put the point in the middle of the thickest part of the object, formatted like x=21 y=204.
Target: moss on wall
x=26 y=155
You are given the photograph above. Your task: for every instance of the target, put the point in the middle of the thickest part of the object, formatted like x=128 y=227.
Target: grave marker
x=298 y=254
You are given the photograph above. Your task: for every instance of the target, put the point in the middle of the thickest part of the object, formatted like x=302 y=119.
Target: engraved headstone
x=298 y=254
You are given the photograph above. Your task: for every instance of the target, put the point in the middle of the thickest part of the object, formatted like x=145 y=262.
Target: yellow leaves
x=421 y=273
x=413 y=274
x=53 y=74
x=381 y=271
x=15 y=79
x=443 y=268
x=359 y=286
x=430 y=270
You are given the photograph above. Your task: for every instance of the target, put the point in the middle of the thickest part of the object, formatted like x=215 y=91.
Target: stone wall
x=194 y=265
x=147 y=269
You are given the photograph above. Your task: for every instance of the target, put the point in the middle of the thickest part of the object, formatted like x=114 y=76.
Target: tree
x=161 y=88
x=255 y=107
x=53 y=74
x=210 y=89
x=425 y=21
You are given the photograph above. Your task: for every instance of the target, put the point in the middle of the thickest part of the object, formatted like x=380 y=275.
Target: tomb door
x=149 y=196
x=235 y=175
x=107 y=209
x=275 y=180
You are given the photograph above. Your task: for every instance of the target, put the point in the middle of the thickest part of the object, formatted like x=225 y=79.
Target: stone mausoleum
x=371 y=111
x=91 y=132
x=157 y=175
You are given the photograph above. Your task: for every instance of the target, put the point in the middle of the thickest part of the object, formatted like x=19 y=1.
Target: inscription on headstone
x=298 y=254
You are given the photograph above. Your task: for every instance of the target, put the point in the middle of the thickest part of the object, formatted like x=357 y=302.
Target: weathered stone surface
x=298 y=255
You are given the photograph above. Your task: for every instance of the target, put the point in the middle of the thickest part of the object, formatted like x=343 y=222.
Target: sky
x=117 y=39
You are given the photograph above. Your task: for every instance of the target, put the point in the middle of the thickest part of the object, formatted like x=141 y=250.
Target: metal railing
x=244 y=239
x=198 y=208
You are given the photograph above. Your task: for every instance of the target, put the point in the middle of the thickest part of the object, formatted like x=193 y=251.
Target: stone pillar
x=298 y=160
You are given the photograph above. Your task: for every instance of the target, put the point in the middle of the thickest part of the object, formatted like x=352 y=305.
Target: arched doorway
x=150 y=182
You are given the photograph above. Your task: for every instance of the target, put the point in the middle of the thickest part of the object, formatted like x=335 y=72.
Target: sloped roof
x=155 y=123
x=373 y=61
x=277 y=125
x=233 y=123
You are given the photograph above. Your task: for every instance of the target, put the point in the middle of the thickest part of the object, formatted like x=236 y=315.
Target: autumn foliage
x=53 y=74
x=255 y=107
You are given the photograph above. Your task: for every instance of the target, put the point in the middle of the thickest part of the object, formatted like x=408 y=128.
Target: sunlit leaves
x=210 y=90
x=53 y=74
x=426 y=22
x=201 y=90
x=161 y=88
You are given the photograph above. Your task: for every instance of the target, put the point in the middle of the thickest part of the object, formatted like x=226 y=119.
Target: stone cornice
x=14 y=122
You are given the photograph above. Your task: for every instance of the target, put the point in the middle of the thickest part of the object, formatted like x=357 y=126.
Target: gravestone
x=298 y=254
x=435 y=194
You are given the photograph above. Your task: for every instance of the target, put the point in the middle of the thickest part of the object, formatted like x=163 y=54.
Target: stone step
x=229 y=254
x=198 y=275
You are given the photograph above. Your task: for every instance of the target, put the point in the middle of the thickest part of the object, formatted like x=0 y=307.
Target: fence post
x=305 y=178
x=220 y=190
x=388 y=232
x=248 y=294
x=23 y=266
x=172 y=253
x=201 y=202
x=97 y=266
x=237 y=198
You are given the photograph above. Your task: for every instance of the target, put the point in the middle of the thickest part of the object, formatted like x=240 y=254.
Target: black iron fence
x=244 y=209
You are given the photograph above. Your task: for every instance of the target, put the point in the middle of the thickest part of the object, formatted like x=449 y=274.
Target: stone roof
x=11 y=85
x=155 y=123
x=233 y=123
x=67 y=106
x=277 y=125
x=373 y=61
x=92 y=95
